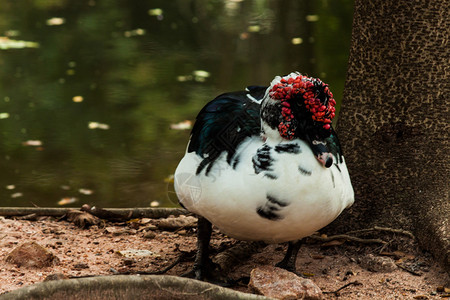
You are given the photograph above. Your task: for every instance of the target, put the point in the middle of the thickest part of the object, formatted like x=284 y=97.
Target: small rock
x=150 y=227
x=80 y=266
x=281 y=284
x=149 y=235
x=31 y=254
x=56 y=276
x=129 y=261
x=378 y=263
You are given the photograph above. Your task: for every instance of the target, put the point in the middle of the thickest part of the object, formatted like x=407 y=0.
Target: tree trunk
x=394 y=122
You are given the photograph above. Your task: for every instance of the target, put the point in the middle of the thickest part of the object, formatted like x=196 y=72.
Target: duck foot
x=289 y=260
x=204 y=268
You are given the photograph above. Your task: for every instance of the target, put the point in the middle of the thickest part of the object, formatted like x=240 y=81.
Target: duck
x=264 y=164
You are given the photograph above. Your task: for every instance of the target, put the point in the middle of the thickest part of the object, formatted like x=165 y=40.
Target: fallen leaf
x=55 y=21
x=137 y=253
x=201 y=73
x=67 y=200
x=134 y=32
x=82 y=219
x=77 y=99
x=184 y=125
x=6 y=43
x=97 y=125
x=312 y=18
x=297 y=41
x=85 y=191
x=155 y=12
x=32 y=143
x=253 y=28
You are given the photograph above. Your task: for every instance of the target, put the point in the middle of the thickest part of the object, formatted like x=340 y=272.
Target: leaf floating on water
x=10 y=187
x=32 y=143
x=12 y=32
x=155 y=12
x=200 y=75
x=169 y=179
x=97 y=125
x=85 y=191
x=183 y=78
x=297 y=41
x=154 y=204
x=185 y=125
x=254 y=28
x=55 y=21
x=6 y=43
x=312 y=18
x=134 y=32
x=77 y=99
x=16 y=195
x=67 y=200
x=4 y=115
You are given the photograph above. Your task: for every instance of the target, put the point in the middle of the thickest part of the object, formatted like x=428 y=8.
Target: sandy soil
x=94 y=251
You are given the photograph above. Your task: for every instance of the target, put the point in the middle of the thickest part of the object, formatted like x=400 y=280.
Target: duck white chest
x=270 y=192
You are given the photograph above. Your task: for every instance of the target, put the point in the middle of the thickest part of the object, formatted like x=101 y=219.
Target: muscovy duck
x=265 y=164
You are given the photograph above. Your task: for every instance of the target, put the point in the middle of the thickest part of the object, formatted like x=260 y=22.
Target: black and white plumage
x=265 y=164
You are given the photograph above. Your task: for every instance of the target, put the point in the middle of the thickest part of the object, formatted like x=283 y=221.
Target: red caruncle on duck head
x=307 y=94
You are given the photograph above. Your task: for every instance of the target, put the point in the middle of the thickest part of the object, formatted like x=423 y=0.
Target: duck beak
x=322 y=153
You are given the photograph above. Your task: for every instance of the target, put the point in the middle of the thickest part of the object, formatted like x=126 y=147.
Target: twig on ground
x=346 y=237
x=409 y=270
x=336 y=292
x=180 y=258
x=385 y=229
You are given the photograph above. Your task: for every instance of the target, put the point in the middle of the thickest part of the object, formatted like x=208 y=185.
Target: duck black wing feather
x=224 y=123
x=334 y=146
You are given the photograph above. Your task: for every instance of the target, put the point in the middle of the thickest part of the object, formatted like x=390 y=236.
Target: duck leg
x=289 y=260
x=203 y=265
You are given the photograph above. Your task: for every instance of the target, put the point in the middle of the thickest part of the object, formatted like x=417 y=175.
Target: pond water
x=89 y=89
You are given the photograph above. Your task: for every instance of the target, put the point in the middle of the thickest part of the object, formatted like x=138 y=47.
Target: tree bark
x=394 y=122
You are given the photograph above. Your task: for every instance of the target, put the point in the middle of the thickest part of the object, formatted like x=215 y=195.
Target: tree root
x=346 y=237
x=122 y=214
x=237 y=254
x=385 y=229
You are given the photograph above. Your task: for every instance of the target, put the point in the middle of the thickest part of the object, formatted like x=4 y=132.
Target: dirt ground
x=331 y=265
